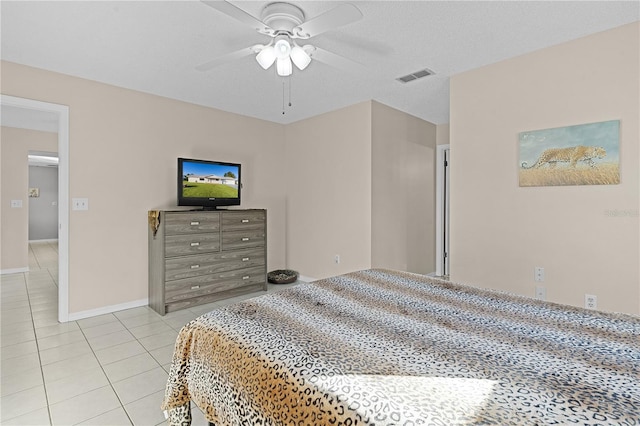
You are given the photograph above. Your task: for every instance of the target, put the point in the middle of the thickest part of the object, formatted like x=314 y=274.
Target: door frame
x=62 y=111
x=442 y=212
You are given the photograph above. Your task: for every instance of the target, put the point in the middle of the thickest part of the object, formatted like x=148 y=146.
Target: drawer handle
x=195 y=223
x=195 y=244
x=245 y=239
x=246 y=277
x=245 y=220
x=195 y=266
x=244 y=259
x=195 y=287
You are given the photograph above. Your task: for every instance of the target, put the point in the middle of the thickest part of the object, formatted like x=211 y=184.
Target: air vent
x=415 y=75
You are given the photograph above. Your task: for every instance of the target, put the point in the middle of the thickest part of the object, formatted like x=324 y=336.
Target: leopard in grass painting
x=572 y=155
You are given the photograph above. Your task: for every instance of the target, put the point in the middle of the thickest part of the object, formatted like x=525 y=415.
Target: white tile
x=60 y=328
x=38 y=417
x=128 y=313
x=197 y=416
x=14 y=338
x=149 y=329
x=16 y=365
x=141 y=385
x=138 y=320
x=97 y=320
x=159 y=340
x=131 y=366
x=119 y=352
x=74 y=385
x=108 y=340
x=69 y=367
x=19 y=349
x=23 y=402
x=16 y=327
x=101 y=330
x=60 y=339
x=110 y=418
x=147 y=411
x=163 y=355
x=59 y=353
x=84 y=407
x=12 y=383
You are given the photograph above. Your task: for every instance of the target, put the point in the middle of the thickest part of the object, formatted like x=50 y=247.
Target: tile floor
x=105 y=370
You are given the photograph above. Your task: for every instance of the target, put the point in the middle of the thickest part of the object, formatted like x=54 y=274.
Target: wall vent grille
x=415 y=75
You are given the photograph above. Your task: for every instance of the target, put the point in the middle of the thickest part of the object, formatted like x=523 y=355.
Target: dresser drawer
x=242 y=239
x=250 y=219
x=182 y=267
x=180 y=245
x=191 y=222
x=209 y=284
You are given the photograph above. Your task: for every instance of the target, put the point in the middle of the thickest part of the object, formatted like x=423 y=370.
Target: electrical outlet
x=590 y=301
x=541 y=293
x=80 y=204
x=336 y=259
x=538 y=274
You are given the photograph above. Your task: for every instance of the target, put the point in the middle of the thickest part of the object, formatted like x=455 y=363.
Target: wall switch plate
x=80 y=204
x=336 y=259
x=538 y=274
x=16 y=204
x=590 y=301
x=541 y=293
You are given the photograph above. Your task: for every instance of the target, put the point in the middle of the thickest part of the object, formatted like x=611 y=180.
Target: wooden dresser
x=198 y=257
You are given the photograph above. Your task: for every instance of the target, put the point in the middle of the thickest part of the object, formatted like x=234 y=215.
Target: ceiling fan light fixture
x=299 y=57
x=266 y=57
x=284 y=67
x=282 y=48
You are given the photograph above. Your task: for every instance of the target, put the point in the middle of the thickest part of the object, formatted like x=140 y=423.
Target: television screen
x=208 y=184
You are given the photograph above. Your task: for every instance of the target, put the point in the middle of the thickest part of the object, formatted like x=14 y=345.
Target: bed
x=381 y=347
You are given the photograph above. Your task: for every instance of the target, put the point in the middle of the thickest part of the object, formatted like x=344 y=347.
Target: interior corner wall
x=403 y=191
x=122 y=157
x=15 y=145
x=328 y=180
x=586 y=237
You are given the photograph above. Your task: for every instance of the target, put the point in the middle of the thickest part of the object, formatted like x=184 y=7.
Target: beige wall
x=501 y=231
x=15 y=145
x=328 y=168
x=314 y=177
x=403 y=191
x=123 y=150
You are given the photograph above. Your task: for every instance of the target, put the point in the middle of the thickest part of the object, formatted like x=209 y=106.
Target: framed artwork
x=34 y=192
x=584 y=154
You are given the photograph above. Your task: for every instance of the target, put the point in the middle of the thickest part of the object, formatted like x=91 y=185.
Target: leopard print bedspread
x=379 y=347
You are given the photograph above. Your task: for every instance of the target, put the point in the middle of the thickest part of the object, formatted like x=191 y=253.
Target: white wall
x=43 y=210
x=500 y=231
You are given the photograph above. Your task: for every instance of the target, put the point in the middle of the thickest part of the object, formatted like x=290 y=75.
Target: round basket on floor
x=282 y=276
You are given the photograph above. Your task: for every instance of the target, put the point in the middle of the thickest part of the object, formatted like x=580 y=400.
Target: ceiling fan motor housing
x=282 y=16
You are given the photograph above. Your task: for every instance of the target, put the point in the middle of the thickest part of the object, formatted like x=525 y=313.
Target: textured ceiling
x=154 y=47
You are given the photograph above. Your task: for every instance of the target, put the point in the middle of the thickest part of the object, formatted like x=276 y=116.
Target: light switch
x=16 y=204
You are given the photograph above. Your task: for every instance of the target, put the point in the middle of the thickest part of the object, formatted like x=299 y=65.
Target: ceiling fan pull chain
x=283 y=97
x=290 y=90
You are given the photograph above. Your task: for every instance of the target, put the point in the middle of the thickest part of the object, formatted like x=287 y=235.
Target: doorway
x=443 y=164
x=61 y=112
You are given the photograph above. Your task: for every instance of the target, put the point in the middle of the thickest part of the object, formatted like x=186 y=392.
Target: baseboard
x=53 y=240
x=75 y=316
x=307 y=279
x=14 y=271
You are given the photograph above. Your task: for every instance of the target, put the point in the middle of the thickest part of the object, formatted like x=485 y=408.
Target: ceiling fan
x=285 y=23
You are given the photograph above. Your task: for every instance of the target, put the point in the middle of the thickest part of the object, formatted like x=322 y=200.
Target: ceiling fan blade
x=229 y=57
x=240 y=15
x=337 y=17
x=334 y=60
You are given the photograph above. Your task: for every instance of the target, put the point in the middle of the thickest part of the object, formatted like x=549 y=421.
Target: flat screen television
x=208 y=184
